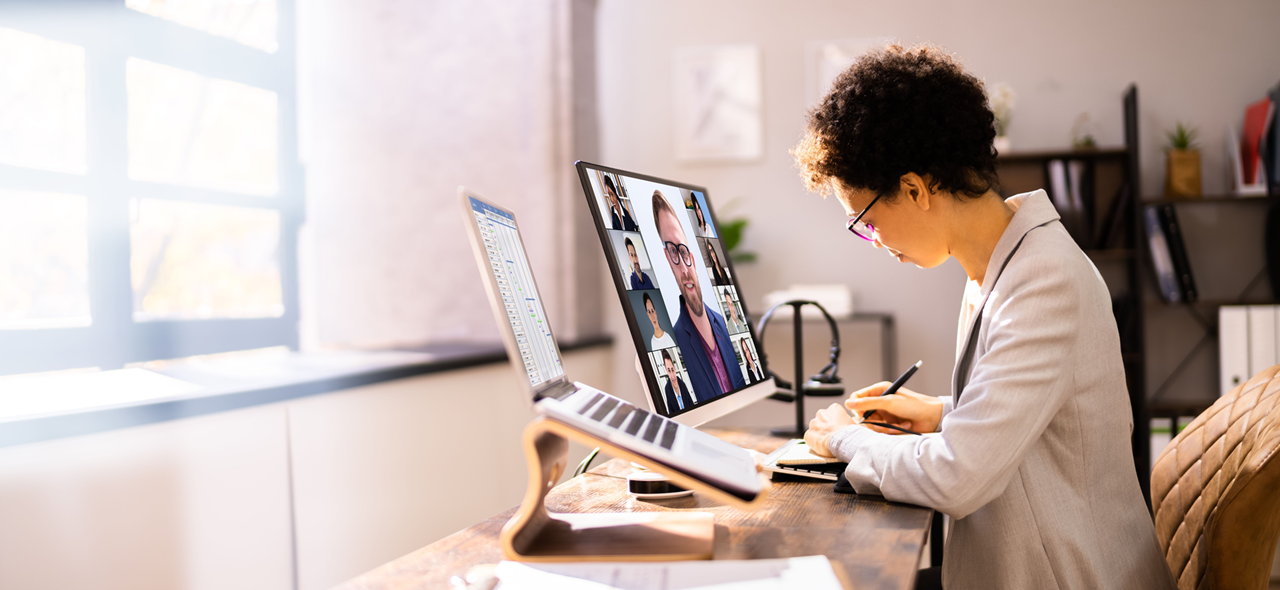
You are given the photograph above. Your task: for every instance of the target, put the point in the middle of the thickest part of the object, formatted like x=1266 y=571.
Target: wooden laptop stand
x=534 y=534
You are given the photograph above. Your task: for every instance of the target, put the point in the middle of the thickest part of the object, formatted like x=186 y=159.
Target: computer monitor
x=686 y=311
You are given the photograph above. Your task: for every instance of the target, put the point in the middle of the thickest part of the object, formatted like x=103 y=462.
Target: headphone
x=828 y=373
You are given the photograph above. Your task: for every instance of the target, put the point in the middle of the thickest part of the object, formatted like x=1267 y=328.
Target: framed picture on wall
x=717 y=103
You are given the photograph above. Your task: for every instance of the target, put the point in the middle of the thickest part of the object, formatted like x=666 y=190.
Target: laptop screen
x=514 y=279
x=670 y=266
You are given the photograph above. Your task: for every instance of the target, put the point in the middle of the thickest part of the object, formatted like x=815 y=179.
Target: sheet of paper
x=796 y=573
x=799 y=454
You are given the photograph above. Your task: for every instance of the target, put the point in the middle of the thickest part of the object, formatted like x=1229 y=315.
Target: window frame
x=111 y=34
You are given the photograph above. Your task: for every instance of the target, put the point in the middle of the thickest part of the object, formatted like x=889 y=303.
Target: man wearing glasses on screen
x=700 y=332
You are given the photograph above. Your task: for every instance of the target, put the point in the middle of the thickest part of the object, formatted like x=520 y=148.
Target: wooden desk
x=877 y=543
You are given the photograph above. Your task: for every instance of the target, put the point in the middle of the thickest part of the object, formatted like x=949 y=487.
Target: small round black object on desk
x=647 y=485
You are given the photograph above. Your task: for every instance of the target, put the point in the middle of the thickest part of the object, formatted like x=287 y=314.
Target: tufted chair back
x=1216 y=490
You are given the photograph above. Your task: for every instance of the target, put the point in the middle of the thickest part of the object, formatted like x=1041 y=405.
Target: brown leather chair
x=1216 y=490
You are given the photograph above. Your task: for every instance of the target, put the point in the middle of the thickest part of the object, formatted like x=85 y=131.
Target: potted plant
x=1002 y=98
x=731 y=230
x=1183 y=172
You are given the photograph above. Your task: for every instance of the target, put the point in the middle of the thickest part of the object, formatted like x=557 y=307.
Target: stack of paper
x=796 y=573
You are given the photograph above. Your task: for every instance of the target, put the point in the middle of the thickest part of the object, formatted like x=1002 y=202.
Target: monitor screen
x=677 y=287
x=519 y=294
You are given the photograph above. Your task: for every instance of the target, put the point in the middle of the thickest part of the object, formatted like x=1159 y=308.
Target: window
x=150 y=193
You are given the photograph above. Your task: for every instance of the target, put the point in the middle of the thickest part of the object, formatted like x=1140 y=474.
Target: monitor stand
x=534 y=534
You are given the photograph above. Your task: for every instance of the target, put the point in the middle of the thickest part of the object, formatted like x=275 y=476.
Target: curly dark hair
x=896 y=111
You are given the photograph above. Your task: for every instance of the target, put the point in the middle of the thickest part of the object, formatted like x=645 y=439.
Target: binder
x=1262 y=338
x=1162 y=261
x=1178 y=251
x=1080 y=185
x=1233 y=347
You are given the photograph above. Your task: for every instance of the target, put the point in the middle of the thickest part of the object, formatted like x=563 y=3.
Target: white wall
x=377 y=472
x=1193 y=61
x=191 y=504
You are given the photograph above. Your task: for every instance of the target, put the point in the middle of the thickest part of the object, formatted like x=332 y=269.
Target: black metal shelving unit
x=1113 y=172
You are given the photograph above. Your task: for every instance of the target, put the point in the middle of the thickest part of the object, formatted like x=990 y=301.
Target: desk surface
x=878 y=543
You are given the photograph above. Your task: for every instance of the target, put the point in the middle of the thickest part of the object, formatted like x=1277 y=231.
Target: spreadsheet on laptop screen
x=519 y=294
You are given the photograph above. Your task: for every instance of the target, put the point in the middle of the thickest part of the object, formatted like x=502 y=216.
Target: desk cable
x=586 y=463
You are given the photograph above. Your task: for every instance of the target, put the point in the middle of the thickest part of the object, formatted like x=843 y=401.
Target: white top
x=666 y=341
x=972 y=299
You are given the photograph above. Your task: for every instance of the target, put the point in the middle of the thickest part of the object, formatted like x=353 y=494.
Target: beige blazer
x=1033 y=459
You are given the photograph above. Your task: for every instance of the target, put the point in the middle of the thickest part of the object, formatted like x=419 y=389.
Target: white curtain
x=400 y=102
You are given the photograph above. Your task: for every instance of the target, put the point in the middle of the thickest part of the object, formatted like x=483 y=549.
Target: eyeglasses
x=678 y=253
x=863 y=230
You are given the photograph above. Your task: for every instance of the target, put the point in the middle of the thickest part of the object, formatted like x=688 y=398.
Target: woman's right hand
x=904 y=409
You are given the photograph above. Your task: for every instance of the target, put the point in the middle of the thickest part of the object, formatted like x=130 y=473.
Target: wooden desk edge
x=407 y=571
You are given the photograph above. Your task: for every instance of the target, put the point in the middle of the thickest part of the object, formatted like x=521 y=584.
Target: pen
x=896 y=385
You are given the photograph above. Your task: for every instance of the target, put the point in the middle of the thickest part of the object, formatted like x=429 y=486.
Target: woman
x=1032 y=459
x=717 y=272
x=753 y=374
x=619 y=217
x=731 y=314
x=660 y=339
x=704 y=228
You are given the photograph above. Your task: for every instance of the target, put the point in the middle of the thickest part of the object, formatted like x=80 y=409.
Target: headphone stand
x=799 y=385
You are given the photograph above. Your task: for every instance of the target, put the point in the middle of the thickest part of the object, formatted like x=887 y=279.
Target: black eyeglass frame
x=852 y=224
x=686 y=257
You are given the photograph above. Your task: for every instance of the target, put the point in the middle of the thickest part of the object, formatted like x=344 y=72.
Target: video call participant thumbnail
x=639 y=280
x=703 y=225
x=754 y=375
x=734 y=321
x=718 y=274
x=700 y=332
x=660 y=338
x=619 y=217
x=676 y=392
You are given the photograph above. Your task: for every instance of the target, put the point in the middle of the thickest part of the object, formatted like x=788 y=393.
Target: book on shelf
x=1271 y=145
x=1080 y=183
x=1070 y=187
x=1117 y=218
x=1162 y=260
x=1262 y=337
x=1235 y=159
x=1178 y=252
x=1233 y=347
x=1257 y=119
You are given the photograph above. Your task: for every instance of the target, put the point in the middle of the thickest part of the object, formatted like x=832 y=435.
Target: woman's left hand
x=825 y=424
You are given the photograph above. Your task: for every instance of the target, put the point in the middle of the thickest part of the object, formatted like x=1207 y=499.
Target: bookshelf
x=1110 y=233
x=1170 y=350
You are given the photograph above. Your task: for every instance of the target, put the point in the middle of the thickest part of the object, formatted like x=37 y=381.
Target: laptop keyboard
x=594 y=401
x=647 y=425
x=604 y=409
x=636 y=422
x=819 y=467
x=651 y=432
x=620 y=416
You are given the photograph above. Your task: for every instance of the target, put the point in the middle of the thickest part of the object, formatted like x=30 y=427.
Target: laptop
x=667 y=446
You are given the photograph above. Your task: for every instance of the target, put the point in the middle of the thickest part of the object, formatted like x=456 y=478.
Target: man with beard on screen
x=639 y=280
x=700 y=332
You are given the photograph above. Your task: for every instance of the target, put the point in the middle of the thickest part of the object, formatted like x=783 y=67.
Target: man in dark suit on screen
x=677 y=393
x=639 y=280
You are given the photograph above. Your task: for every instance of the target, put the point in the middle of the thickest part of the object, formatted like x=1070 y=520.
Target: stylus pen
x=896 y=385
